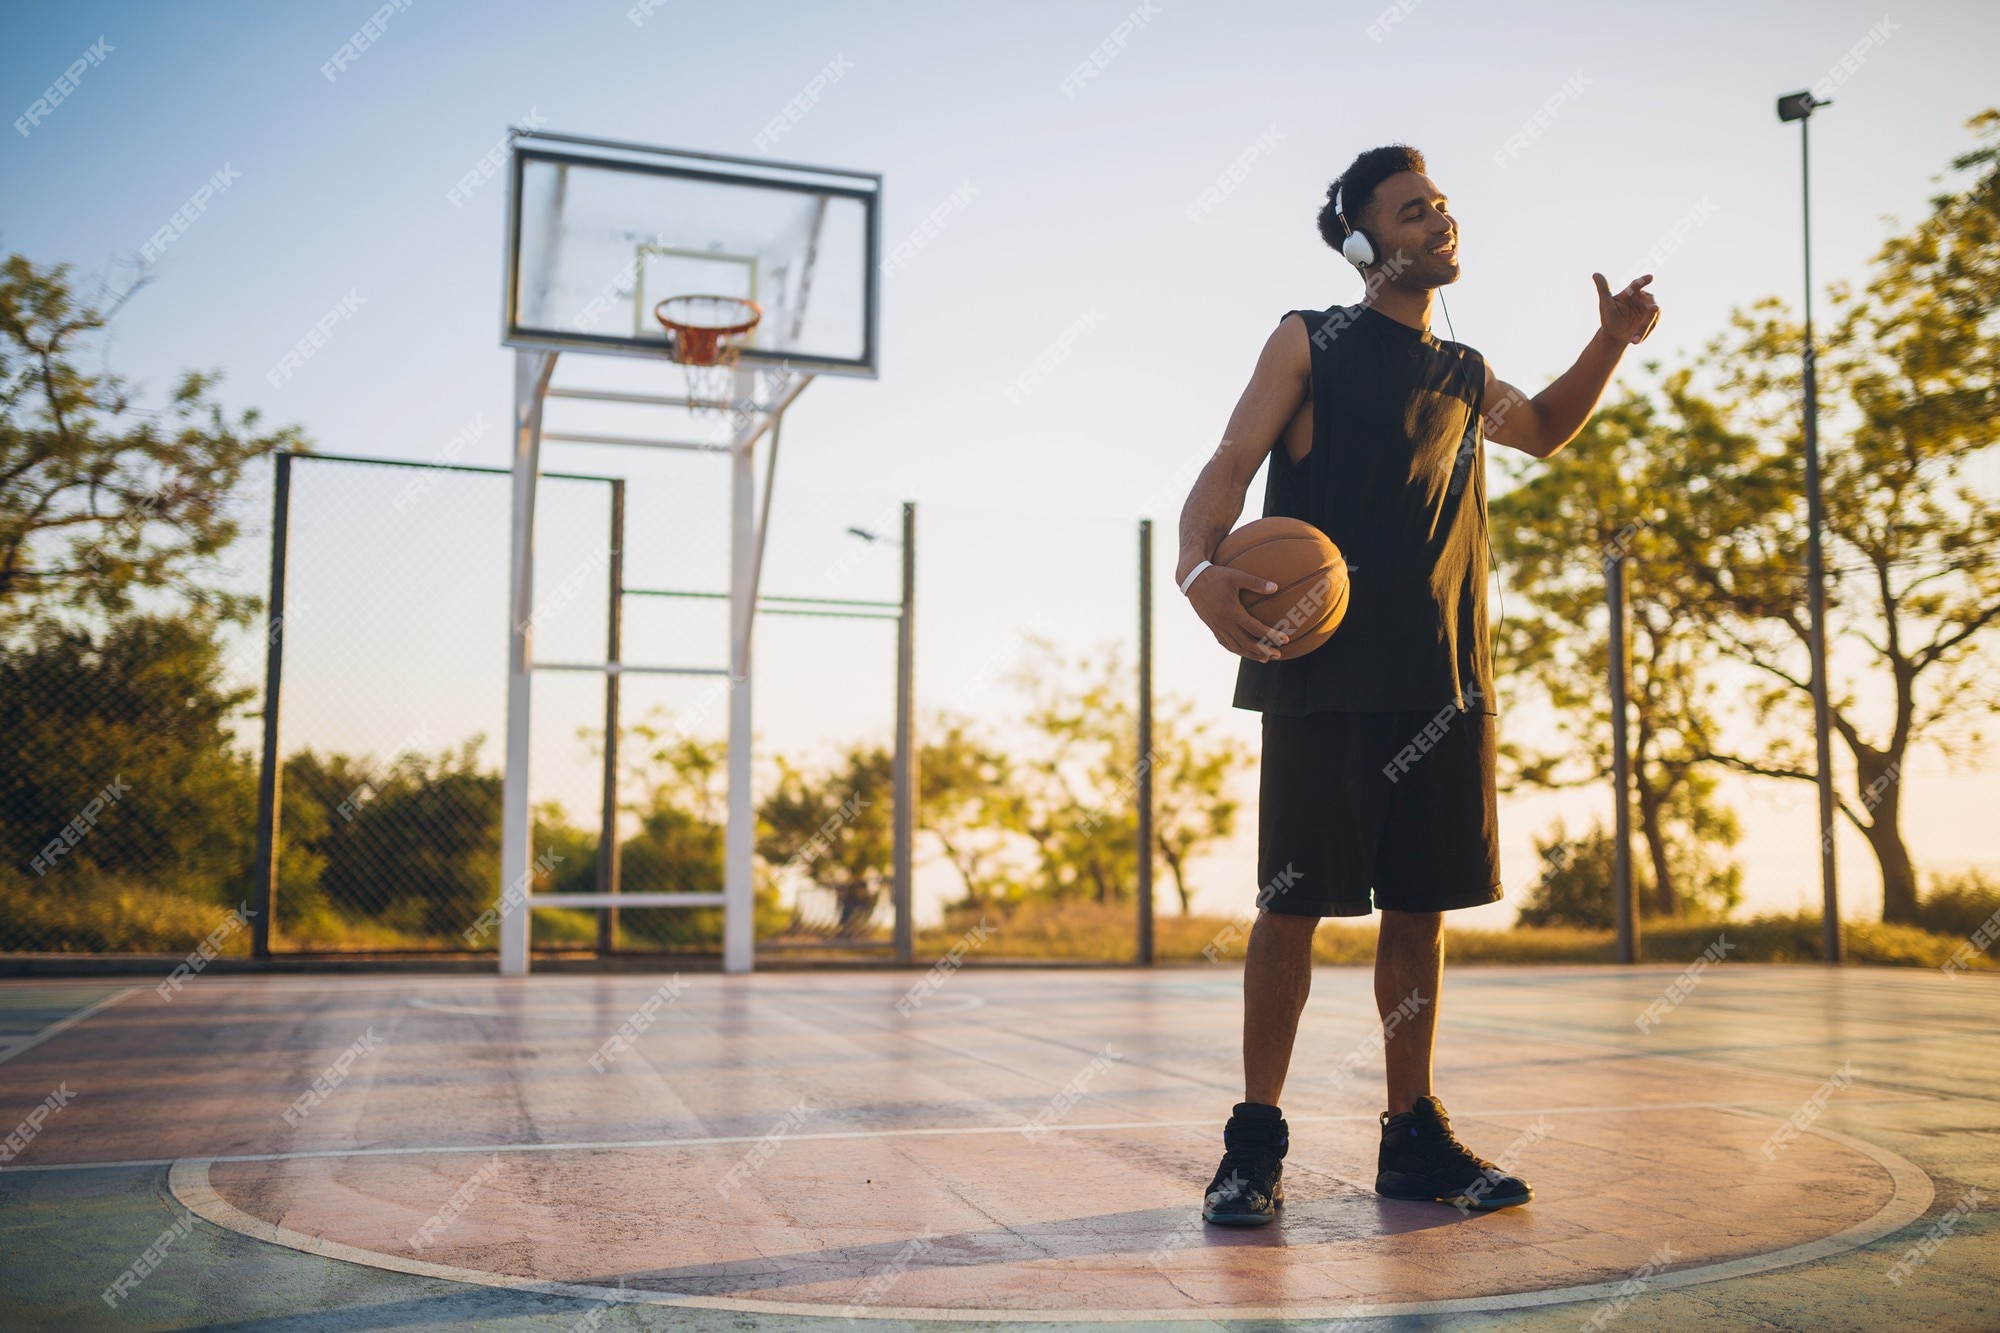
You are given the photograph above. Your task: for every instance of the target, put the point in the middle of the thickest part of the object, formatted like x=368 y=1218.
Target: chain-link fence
x=390 y=720
x=132 y=780
x=138 y=812
x=388 y=819
x=126 y=808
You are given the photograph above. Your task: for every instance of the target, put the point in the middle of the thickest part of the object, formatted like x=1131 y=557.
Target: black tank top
x=1397 y=478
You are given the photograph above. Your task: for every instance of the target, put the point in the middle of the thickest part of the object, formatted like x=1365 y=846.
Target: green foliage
x=1909 y=384
x=99 y=498
x=112 y=522
x=405 y=853
x=1959 y=904
x=1082 y=931
x=1575 y=885
x=836 y=831
x=101 y=912
x=141 y=704
x=413 y=845
x=571 y=852
x=682 y=804
x=1557 y=532
x=679 y=845
x=1191 y=775
x=1078 y=789
x=973 y=806
x=1078 y=784
x=1574 y=888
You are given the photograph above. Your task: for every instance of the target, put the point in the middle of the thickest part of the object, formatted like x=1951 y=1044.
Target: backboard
x=600 y=232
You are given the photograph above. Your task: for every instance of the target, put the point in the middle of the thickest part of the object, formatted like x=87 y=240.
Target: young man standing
x=1378 y=746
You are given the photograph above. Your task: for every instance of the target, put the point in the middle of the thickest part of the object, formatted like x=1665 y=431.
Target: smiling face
x=1410 y=216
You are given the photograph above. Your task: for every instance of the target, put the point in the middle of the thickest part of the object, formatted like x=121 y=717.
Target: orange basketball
x=1310 y=574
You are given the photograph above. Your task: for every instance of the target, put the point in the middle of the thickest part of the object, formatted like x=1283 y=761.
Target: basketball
x=1308 y=569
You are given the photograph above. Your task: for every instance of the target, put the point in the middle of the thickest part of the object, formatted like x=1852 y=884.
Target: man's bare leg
x=1277 y=976
x=1409 y=968
x=1248 y=1189
x=1421 y=1158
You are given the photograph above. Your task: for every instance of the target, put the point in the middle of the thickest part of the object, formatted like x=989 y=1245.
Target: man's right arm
x=1278 y=387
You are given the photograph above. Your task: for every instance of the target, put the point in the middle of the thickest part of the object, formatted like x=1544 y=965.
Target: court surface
x=792 y=1150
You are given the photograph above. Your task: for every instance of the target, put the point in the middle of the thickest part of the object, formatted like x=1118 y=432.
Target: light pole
x=1145 y=746
x=1623 y=914
x=903 y=777
x=1800 y=106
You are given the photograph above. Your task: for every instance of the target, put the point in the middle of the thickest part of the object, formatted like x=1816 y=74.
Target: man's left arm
x=1545 y=423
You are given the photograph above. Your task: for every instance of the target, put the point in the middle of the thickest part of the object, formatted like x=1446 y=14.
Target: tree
x=1080 y=782
x=1191 y=808
x=139 y=709
x=1557 y=532
x=1910 y=384
x=682 y=806
x=973 y=804
x=1079 y=799
x=412 y=844
x=680 y=786
x=100 y=498
x=1575 y=885
x=836 y=829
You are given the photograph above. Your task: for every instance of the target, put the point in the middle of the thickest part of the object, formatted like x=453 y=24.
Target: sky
x=1159 y=197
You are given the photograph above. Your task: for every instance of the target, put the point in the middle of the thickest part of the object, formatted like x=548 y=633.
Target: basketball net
x=705 y=334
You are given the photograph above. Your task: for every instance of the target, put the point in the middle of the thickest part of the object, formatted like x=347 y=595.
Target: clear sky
x=1077 y=205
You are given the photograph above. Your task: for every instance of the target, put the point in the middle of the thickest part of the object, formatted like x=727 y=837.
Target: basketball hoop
x=702 y=334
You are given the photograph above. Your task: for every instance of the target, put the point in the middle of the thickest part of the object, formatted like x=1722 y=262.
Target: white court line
x=472 y=1011
x=614 y=1145
x=956 y=1005
x=64 y=1024
x=1911 y=1198
x=1709 y=1065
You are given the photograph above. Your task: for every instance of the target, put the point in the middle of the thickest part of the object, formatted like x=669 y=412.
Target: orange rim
x=697 y=342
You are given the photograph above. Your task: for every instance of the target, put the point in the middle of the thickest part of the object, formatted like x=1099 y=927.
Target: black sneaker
x=1422 y=1159
x=1247 y=1190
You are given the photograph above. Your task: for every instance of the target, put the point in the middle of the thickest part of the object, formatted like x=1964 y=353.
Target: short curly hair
x=1356 y=186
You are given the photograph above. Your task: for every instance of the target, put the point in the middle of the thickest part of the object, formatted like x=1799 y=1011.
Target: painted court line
x=956 y=1004
x=64 y=1024
x=609 y=1145
x=1912 y=1197
x=1708 y=1065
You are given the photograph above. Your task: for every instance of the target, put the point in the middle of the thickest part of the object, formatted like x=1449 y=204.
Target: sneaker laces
x=1250 y=1153
x=1440 y=1138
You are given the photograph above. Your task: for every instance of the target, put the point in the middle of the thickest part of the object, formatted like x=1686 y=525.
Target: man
x=1378 y=746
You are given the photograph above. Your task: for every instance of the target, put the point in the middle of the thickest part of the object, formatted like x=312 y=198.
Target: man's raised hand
x=1631 y=314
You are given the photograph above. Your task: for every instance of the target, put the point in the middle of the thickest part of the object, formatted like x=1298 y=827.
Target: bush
x=126 y=727
x=1089 y=931
x=1958 y=905
x=139 y=706
x=1575 y=887
x=103 y=913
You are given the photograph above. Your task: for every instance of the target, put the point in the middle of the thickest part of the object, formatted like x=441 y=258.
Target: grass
x=107 y=914
x=110 y=916
x=1088 y=931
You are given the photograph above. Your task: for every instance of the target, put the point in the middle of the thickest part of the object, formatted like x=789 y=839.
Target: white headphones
x=1357 y=249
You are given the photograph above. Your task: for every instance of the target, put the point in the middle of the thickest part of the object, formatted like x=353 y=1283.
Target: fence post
x=905 y=781
x=1621 y=764
x=1146 y=740
x=270 y=779
x=614 y=648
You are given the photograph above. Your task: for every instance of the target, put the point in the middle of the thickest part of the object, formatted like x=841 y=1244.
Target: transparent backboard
x=600 y=233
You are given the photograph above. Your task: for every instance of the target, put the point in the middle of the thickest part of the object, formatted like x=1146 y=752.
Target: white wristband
x=1193 y=574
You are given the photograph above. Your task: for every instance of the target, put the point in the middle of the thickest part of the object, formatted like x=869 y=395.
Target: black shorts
x=1401 y=803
